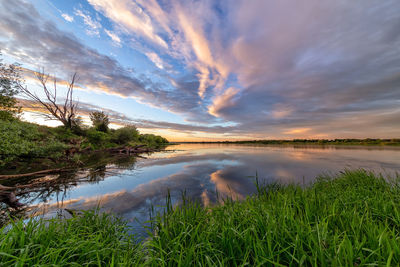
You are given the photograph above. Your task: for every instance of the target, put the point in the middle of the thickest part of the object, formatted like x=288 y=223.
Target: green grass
x=352 y=220
x=90 y=239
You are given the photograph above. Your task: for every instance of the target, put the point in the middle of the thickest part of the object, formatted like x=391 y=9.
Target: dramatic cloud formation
x=120 y=119
x=257 y=69
x=130 y=16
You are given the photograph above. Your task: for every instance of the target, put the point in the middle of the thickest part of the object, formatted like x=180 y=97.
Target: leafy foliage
x=97 y=139
x=99 y=120
x=125 y=135
x=9 y=79
x=61 y=133
x=24 y=140
x=152 y=140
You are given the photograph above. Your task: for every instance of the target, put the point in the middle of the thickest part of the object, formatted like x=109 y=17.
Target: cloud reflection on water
x=203 y=170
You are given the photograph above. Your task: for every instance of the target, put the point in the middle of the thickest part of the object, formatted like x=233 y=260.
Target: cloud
x=121 y=119
x=314 y=70
x=113 y=37
x=187 y=40
x=130 y=16
x=155 y=59
x=225 y=100
x=67 y=17
x=37 y=42
x=93 y=25
x=281 y=111
x=212 y=72
x=297 y=131
x=266 y=67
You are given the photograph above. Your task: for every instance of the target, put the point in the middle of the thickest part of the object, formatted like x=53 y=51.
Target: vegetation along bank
x=23 y=142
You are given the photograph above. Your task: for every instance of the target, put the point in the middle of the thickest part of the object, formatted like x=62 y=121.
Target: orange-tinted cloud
x=225 y=100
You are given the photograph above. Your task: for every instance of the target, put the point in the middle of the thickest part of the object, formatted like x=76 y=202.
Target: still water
x=131 y=186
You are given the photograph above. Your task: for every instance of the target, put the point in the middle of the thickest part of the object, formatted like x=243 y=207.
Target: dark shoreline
x=318 y=142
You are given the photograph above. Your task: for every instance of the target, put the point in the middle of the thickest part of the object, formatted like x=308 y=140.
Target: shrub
x=63 y=134
x=21 y=139
x=96 y=138
x=152 y=140
x=125 y=135
x=99 y=120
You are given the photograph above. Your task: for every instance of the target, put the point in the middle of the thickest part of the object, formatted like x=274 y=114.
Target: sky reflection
x=205 y=171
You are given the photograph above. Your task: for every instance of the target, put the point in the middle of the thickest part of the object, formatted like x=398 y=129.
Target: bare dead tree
x=64 y=111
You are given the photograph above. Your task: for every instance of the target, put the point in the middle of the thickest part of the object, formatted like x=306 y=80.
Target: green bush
x=6 y=115
x=100 y=121
x=97 y=139
x=21 y=139
x=152 y=140
x=125 y=135
x=62 y=133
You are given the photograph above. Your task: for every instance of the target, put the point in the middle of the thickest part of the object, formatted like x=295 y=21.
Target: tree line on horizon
x=336 y=141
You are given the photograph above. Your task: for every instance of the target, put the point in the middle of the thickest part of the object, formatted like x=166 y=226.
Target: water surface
x=131 y=186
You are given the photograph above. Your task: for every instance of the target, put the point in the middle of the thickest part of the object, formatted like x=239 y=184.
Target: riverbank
x=27 y=147
x=352 y=219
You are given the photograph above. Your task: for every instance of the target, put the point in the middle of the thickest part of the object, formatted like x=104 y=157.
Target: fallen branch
x=3 y=177
x=129 y=150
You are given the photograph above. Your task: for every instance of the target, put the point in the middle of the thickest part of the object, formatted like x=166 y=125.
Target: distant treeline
x=367 y=141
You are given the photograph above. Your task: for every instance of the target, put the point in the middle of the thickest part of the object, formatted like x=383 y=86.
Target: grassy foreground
x=352 y=220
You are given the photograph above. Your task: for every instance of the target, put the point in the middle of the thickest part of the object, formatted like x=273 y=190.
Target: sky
x=202 y=70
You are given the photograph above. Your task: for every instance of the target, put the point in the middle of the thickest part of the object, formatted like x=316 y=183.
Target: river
x=207 y=173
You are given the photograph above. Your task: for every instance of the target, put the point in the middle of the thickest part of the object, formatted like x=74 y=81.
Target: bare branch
x=64 y=112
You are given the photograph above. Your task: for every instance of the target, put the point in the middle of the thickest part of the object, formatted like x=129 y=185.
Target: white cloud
x=130 y=17
x=93 y=24
x=113 y=37
x=67 y=17
x=316 y=70
x=155 y=59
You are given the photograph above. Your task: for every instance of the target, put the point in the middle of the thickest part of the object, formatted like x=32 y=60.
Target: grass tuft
x=88 y=239
x=351 y=220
